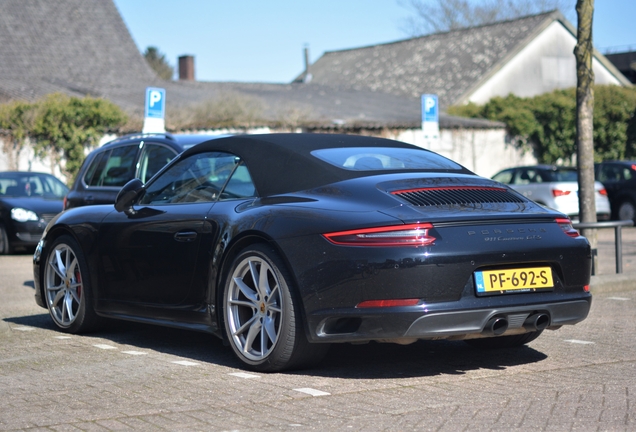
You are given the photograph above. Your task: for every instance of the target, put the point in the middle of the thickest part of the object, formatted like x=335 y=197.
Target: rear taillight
x=559 y=192
x=64 y=202
x=603 y=192
x=566 y=225
x=400 y=235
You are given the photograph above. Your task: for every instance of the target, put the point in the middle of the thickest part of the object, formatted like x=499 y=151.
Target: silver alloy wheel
x=254 y=310
x=626 y=211
x=63 y=283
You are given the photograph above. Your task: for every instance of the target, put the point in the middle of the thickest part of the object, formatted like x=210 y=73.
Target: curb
x=613 y=283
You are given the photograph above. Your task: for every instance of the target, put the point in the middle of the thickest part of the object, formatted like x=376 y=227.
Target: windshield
x=31 y=185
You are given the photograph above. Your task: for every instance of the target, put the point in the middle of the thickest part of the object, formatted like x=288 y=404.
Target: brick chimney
x=186 y=68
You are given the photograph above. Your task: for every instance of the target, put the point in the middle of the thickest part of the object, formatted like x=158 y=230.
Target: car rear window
x=562 y=175
x=384 y=158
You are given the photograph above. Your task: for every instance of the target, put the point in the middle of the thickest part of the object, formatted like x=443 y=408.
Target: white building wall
x=545 y=64
x=483 y=151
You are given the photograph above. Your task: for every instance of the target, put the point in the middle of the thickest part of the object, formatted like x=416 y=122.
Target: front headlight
x=23 y=215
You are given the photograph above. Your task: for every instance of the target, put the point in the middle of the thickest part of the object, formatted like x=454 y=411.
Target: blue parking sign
x=430 y=111
x=155 y=102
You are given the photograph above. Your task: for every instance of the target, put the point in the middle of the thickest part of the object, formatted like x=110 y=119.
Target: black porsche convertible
x=285 y=243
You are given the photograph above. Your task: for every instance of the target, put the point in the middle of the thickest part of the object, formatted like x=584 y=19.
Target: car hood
x=35 y=204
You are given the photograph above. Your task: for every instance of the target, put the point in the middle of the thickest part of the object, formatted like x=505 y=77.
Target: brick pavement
x=138 y=377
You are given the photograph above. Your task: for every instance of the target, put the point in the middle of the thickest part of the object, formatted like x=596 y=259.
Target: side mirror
x=128 y=195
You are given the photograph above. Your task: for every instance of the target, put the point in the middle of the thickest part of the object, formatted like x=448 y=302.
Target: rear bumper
x=444 y=322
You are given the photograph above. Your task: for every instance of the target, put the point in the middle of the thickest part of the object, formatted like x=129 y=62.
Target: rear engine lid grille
x=457 y=195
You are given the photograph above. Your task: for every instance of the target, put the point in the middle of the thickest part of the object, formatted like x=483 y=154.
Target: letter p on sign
x=155 y=102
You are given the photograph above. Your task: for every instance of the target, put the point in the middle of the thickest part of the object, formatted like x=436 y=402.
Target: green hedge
x=546 y=124
x=60 y=126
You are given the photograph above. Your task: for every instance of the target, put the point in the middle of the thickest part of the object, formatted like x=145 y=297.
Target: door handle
x=185 y=236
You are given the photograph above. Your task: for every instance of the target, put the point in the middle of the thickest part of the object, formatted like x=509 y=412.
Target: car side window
x=504 y=177
x=199 y=178
x=240 y=184
x=153 y=158
x=113 y=168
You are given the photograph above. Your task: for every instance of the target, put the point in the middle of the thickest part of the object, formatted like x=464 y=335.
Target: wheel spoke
x=243 y=303
x=58 y=297
x=247 y=291
x=59 y=268
x=56 y=287
x=244 y=327
x=68 y=307
x=74 y=294
x=263 y=281
x=252 y=333
x=270 y=328
x=70 y=268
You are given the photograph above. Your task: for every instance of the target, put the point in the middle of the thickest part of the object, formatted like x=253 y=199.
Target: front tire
x=513 y=341
x=262 y=314
x=67 y=289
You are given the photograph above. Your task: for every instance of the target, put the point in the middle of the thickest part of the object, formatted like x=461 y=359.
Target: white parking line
x=105 y=347
x=312 y=392
x=619 y=298
x=63 y=337
x=581 y=342
x=243 y=375
x=185 y=363
x=23 y=328
x=136 y=353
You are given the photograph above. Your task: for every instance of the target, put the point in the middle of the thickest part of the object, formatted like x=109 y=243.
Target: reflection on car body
x=285 y=243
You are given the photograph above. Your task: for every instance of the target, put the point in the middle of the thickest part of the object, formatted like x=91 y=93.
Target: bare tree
x=584 y=115
x=432 y=16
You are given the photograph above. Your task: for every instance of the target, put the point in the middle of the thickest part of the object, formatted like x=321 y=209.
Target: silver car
x=553 y=186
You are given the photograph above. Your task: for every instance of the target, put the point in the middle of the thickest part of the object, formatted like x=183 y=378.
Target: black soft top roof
x=282 y=163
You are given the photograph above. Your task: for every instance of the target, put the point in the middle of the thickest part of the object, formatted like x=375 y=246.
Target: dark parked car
x=285 y=243
x=619 y=178
x=107 y=168
x=28 y=201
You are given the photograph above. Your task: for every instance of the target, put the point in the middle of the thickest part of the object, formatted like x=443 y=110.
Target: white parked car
x=553 y=186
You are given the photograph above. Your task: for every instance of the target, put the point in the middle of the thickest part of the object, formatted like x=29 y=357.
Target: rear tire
x=513 y=341
x=263 y=320
x=67 y=288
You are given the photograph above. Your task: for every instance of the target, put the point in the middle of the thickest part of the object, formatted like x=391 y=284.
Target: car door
x=151 y=256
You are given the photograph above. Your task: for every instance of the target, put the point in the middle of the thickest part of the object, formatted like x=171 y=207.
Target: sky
x=264 y=40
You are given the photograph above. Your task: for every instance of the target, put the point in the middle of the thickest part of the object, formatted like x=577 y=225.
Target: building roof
x=78 y=47
x=449 y=64
x=83 y=48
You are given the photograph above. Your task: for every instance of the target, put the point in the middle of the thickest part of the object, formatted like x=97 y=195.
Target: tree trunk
x=584 y=118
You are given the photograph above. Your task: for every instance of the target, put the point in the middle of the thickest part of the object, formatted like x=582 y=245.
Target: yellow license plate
x=523 y=279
